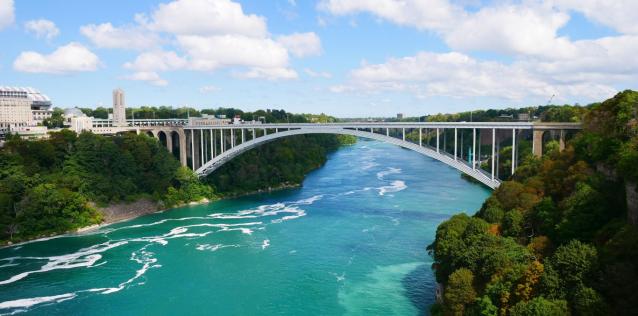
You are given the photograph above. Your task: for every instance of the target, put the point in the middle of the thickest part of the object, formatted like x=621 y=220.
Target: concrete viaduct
x=205 y=148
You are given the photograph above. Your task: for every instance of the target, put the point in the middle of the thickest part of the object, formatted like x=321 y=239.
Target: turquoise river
x=351 y=241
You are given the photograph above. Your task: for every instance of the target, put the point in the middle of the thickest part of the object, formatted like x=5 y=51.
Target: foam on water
x=381 y=174
x=395 y=186
x=85 y=257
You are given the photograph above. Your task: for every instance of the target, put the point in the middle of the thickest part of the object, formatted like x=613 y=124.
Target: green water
x=351 y=241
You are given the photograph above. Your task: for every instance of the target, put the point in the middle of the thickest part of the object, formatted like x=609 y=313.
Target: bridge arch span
x=458 y=164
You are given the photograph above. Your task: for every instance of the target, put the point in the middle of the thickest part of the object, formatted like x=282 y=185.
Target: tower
x=119 y=108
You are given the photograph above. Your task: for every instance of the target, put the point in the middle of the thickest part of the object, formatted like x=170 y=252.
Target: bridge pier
x=169 y=141
x=537 y=142
x=182 y=147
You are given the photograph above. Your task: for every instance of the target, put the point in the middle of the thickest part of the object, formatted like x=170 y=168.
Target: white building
x=20 y=107
x=119 y=108
x=77 y=121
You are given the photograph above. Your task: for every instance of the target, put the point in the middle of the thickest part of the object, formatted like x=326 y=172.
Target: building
x=22 y=107
x=119 y=108
x=399 y=116
x=77 y=121
x=206 y=120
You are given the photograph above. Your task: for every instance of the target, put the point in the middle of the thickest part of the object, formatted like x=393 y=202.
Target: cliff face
x=632 y=202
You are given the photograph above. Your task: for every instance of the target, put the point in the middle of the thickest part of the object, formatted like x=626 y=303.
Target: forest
x=54 y=185
x=559 y=237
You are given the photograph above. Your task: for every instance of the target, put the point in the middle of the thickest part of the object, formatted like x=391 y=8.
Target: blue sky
x=341 y=57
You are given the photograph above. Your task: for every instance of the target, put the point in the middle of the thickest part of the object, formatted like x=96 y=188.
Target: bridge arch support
x=458 y=164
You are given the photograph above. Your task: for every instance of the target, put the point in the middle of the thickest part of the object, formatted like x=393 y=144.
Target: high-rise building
x=119 y=108
x=21 y=107
x=399 y=116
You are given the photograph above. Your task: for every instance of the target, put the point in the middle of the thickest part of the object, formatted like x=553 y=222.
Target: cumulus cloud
x=268 y=73
x=72 y=57
x=42 y=28
x=205 y=35
x=436 y=15
x=107 y=36
x=237 y=50
x=207 y=17
x=617 y=14
x=209 y=89
x=148 y=76
x=7 y=15
x=301 y=44
x=458 y=75
x=157 y=60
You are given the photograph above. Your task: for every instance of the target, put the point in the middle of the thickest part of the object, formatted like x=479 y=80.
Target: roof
x=32 y=94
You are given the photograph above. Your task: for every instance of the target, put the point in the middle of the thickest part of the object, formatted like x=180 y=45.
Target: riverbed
x=350 y=241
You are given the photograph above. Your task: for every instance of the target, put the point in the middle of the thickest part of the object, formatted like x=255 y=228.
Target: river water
x=351 y=241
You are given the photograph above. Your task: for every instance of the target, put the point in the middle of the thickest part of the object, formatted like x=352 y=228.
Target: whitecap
x=85 y=257
x=390 y=170
x=265 y=244
x=28 y=302
x=395 y=186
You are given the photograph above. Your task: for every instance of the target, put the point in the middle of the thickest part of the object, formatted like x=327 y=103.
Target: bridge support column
x=232 y=138
x=455 y=135
x=403 y=134
x=201 y=147
x=474 y=149
x=493 y=151
x=243 y=136
x=192 y=149
x=437 y=140
x=537 y=143
x=387 y=132
x=254 y=135
x=169 y=141
x=513 y=150
x=221 y=140
x=421 y=137
x=182 y=148
x=212 y=144
x=561 y=140
x=195 y=150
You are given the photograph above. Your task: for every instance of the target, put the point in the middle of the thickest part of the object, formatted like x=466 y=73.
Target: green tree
x=540 y=307
x=459 y=291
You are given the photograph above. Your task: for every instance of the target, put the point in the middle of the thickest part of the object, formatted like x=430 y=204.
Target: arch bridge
x=474 y=148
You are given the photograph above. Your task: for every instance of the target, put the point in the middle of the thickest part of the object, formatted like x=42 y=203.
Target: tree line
x=559 y=237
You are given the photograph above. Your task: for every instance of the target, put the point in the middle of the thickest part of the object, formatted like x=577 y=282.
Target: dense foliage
x=555 y=239
x=46 y=185
x=546 y=113
x=165 y=112
x=282 y=163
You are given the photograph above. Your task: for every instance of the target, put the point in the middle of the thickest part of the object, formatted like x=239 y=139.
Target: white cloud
x=208 y=89
x=148 y=76
x=618 y=14
x=207 y=17
x=528 y=28
x=265 y=57
x=317 y=74
x=157 y=61
x=268 y=73
x=7 y=13
x=512 y=29
x=42 y=28
x=301 y=44
x=70 y=58
x=458 y=75
x=107 y=36
x=436 y=15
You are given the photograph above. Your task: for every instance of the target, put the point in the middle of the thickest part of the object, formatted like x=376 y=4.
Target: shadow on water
x=419 y=288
